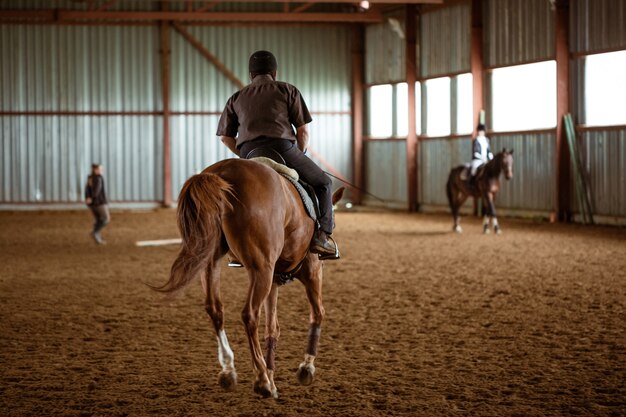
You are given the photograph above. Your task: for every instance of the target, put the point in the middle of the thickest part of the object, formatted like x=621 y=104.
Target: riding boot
x=325 y=247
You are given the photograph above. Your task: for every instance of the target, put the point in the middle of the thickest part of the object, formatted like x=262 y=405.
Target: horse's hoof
x=486 y=231
x=227 y=380
x=306 y=373
x=264 y=389
x=457 y=229
x=498 y=231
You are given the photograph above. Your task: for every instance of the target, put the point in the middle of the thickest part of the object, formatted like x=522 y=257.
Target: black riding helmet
x=262 y=62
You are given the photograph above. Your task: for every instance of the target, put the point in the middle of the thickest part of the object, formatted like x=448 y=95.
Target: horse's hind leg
x=272 y=333
x=260 y=288
x=452 y=195
x=213 y=305
x=313 y=284
x=459 y=201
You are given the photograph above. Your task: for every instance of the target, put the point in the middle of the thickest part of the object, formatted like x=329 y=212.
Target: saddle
x=274 y=160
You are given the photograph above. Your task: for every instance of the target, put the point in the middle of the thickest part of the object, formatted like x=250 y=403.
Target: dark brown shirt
x=95 y=190
x=264 y=108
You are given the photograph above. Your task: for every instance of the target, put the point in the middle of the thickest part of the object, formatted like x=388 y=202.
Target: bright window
x=524 y=97
x=438 y=106
x=402 y=110
x=605 y=89
x=380 y=111
x=387 y=111
x=464 y=104
x=418 y=108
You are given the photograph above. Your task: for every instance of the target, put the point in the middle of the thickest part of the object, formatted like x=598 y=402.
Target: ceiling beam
x=64 y=16
x=342 y=1
x=300 y=1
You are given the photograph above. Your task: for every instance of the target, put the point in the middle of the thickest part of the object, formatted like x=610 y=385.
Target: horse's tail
x=201 y=202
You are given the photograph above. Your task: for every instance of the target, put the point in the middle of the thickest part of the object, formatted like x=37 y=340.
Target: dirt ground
x=420 y=322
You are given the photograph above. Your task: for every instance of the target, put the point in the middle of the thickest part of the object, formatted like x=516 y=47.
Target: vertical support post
x=165 y=86
x=477 y=67
x=411 y=78
x=562 y=210
x=477 y=62
x=358 y=41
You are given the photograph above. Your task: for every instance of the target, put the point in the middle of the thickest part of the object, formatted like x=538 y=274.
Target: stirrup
x=335 y=256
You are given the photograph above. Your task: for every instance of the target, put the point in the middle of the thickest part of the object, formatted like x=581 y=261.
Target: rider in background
x=481 y=151
x=264 y=115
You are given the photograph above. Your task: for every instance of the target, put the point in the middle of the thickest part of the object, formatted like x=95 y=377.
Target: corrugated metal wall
x=597 y=25
x=74 y=68
x=533 y=187
x=321 y=74
x=71 y=68
x=604 y=160
x=445 y=41
x=387 y=175
x=385 y=53
x=437 y=158
x=517 y=31
x=53 y=163
x=117 y=69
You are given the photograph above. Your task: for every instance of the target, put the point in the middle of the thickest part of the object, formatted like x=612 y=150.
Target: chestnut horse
x=245 y=207
x=485 y=185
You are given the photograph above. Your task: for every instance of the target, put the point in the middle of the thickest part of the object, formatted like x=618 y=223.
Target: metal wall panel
x=597 y=25
x=517 y=31
x=604 y=160
x=79 y=68
x=445 y=39
x=47 y=159
x=533 y=186
x=385 y=52
x=321 y=74
x=109 y=68
x=386 y=175
x=437 y=158
x=84 y=69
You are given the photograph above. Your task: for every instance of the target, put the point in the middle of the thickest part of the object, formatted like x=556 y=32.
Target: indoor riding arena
x=478 y=260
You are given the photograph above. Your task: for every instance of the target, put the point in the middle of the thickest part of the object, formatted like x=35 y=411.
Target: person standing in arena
x=96 y=200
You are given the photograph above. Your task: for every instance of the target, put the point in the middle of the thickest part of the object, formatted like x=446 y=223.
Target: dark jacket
x=95 y=190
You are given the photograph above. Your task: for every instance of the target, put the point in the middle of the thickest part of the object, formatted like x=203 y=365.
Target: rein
x=356 y=188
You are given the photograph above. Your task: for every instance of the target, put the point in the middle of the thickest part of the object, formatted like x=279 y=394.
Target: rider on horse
x=481 y=152
x=263 y=115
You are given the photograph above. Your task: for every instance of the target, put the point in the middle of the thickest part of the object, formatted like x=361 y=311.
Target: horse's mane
x=493 y=168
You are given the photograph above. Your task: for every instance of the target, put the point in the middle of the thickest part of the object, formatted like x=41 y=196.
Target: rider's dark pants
x=308 y=171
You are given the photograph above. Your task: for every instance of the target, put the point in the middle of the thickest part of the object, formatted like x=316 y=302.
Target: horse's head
x=507 y=163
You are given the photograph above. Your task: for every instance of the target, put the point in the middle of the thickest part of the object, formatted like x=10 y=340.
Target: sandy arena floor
x=420 y=322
